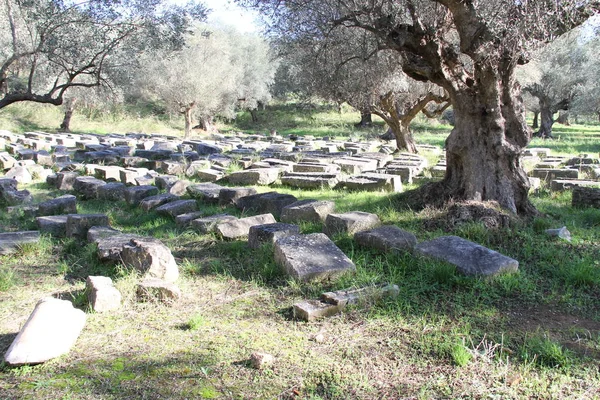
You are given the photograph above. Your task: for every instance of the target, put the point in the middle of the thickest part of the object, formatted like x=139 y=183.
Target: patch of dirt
x=488 y=213
x=575 y=333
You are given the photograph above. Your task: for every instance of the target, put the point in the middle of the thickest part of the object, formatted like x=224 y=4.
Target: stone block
x=157 y=290
x=209 y=224
x=66 y=180
x=206 y=192
x=349 y=223
x=386 y=238
x=240 y=228
x=271 y=202
x=310 y=310
x=55 y=225
x=549 y=174
x=228 y=196
x=177 y=207
x=152 y=258
x=10 y=242
x=307 y=210
x=184 y=220
x=66 y=204
x=586 y=197
x=114 y=191
x=311 y=257
x=102 y=294
x=468 y=257
x=51 y=331
x=135 y=194
x=151 y=202
x=270 y=233
x=259 y=176
x=79 y=224
x=20 y=174
x=87 y=186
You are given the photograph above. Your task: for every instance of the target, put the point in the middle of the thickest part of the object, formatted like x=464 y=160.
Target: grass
x=531 y=334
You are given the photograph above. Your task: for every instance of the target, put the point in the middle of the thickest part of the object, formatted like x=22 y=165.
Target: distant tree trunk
x=366 y=120
x=254 y=115
x=69 y=106
x=536 y=115
x=598 y=116
x=404 y=138
x=187 y=114
x=339 y=106
x=206 y=123
x=563 y=118
x=547 y=120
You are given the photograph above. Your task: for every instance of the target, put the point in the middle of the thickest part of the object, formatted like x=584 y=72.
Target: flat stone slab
x=51 y=330
x=55 y=225
x=266 y=203
x=258 y=176
x=114 y=191
x=66 y=204
x=307 y=210
x=468 y=257
x=209 y=224
x=151 y=202
x=135 y=194
x=11 y=241
x=240 y=228
x=177 y=207
x=102 y=294
x=184 y=220
x=87 y=186
x=229 y=196
x=386 y=238
x=350 y=223
x=311 y=257
x=558 y=185
x=206 y=192
x=270 y=233
x=79 y=224
x=157 y=290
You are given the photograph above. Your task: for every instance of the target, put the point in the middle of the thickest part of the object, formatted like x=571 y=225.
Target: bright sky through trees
x=228 y=13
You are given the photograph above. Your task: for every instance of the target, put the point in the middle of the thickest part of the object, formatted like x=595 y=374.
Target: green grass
x=530 y=334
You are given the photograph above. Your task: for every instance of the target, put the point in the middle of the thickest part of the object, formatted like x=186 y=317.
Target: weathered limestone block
x=310 y=310
x=55 y=225
x=20 y=174
x=87 y=186
x=66 y=180
x=79 y=224
x=229 y=196
x=270 y=233
x=17 y=198
x=6 y=161
x=206 y=192
x=349 y=223
x=209 y=175
x=11 y=241
x=184 y=220
x=271 y=202
x=151 y=202
x=164 y=182
x=386 y=238
x=311 y=257
x=177 y=207
x=135 y=194
x=310 y=180
x=240 y=228
x=307 y=210
x=114 y=191
x=157 y=290
x=66 y=204
x=258 y=176
x=110 y=247
x=586 y=197
x=109 y=173
x=468 y=257
x=209 y=224
x=549 y=174
x=558 y=185
x=51 y=330
x=152 y=258
x=179 y=188
x=374 y=183
x=102 y=294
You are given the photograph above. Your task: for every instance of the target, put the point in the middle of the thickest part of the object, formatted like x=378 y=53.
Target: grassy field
x=531 y=334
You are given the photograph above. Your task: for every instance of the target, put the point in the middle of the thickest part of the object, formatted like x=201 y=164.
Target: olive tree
x=217 y=72
x=469 y=48
x=49 y=46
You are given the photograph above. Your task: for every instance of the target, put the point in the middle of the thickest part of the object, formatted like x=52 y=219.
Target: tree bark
x=366 y=120
x=404 y=138
x=563 y=118
x=206 y=123
x=65 y=126
x=254 y=115
x=547 y=120
x=187 y=114
x=536 y=124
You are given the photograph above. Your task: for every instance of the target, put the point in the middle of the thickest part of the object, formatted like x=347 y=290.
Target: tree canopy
x=49 y=46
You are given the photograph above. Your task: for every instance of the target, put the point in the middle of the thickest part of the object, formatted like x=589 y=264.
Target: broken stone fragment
x=51 y=330
x=158 y=290
x=151 y=257
x=562 y=233
x=261 y=360
x=102 y=294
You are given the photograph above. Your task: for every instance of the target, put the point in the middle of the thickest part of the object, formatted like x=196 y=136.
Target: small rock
x=102 y=294
x=261 y=360
x=562 y=233
x=153 y=289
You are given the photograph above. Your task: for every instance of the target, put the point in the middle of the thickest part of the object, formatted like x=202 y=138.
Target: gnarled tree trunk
x=366 y=120
x=206 y=123
x=254 y=115
x=187 y=115
x=69 y=105
x=536 y=123
x=547 y=120
x=404 y=138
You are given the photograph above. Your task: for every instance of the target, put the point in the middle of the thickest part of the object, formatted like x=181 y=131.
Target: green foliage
x=460 y=354
x=7 y=278
x=545 y=352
